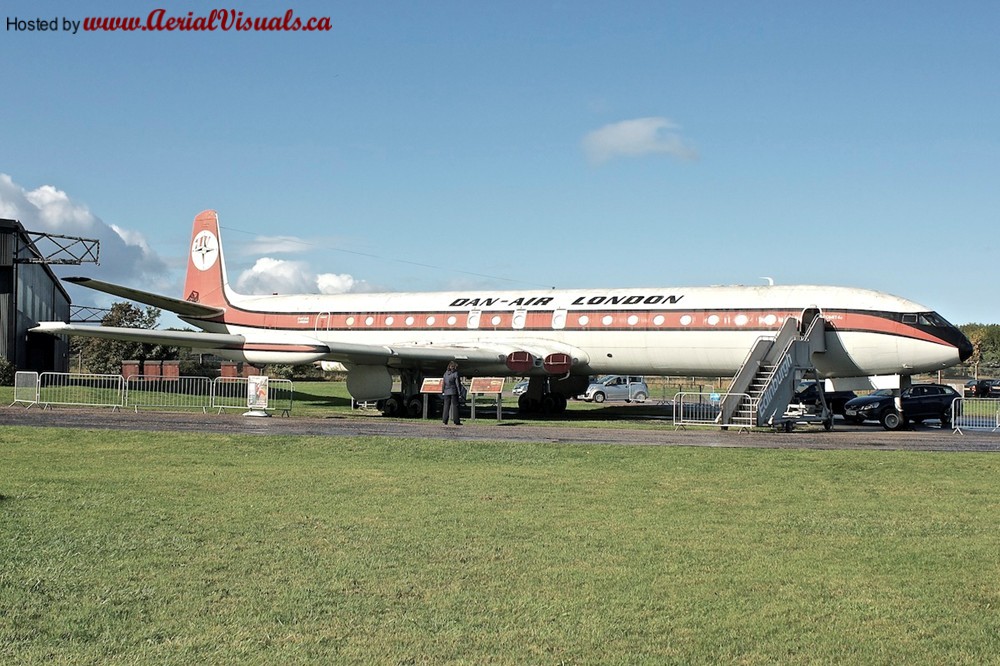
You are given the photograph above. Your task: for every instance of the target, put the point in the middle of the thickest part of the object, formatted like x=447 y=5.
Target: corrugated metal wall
x=29 y=293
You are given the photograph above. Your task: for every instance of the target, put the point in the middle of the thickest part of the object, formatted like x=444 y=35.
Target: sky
x=471 y=145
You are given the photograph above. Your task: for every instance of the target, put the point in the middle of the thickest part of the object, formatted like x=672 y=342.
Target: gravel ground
x=844 y=436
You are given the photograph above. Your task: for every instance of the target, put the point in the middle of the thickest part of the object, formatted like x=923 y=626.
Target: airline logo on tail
x=204 y=250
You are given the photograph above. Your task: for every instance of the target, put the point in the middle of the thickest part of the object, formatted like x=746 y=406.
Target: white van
x=617 y=387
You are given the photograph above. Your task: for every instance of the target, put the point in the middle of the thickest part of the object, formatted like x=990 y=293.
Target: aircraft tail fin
x=206 y=271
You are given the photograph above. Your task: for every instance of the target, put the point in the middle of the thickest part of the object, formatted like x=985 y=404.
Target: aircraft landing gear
x=408 y=401
x=415 y=407
x=549 y=403
x=392 y=406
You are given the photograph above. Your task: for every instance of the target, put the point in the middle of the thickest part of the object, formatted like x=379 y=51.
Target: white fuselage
x=677 y=331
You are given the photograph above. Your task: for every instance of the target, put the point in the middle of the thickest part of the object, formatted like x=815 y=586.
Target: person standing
x=452 y=393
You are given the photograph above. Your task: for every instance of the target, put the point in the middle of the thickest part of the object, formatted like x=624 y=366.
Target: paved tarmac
x=662 y=433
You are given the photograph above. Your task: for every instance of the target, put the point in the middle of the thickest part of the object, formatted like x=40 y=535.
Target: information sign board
x=486 y=385
x=257 y=392
x=432 y=385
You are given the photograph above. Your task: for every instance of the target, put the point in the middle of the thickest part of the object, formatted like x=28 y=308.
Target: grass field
x=188 y=548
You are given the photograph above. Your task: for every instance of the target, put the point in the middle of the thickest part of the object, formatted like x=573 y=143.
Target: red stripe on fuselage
x=760 y=320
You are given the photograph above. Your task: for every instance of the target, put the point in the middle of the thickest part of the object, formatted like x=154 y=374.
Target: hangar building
x=29 y=293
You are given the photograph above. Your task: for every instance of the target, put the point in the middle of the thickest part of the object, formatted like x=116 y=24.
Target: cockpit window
x=928 y=319
x=933 y=319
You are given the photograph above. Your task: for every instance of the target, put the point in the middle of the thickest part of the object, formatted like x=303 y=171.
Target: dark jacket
x=452 y=383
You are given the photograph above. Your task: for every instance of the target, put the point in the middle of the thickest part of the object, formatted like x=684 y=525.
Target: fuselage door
x=473 y=320
x=806 y=320
x=322 y=321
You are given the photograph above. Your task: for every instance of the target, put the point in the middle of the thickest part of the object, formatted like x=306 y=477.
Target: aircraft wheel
x=599 y=397
x=415 y=407
x=892 y=420
x=561 y=402
x=391 y=406
x=828 y=424
x=527 y=405
x=548 y=405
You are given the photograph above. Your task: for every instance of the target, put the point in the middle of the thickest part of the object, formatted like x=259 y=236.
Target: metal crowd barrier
x=159 y=392
x=25 y=388
x=61 y=388
x=146 y=391
x=704 y=409
x=231 y=393
x=975 y=414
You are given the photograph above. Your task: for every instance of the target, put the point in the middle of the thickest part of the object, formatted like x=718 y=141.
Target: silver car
x=617 y=387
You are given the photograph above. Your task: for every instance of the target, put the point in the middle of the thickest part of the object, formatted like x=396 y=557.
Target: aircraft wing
x=199 y=339
x=401 y=355
x=175 y=305
x=417 y=354
x=396 y=355
x=476 y=353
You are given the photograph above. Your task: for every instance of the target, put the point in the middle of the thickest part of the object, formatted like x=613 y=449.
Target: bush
x=7 y=372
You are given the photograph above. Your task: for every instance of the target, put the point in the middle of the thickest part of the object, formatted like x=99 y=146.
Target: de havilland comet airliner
x=558 y=338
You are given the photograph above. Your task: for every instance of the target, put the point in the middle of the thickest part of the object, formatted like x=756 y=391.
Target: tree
x=106 y=356
x=985 y=339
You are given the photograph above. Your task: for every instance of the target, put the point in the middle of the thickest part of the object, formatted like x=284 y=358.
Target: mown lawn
x=179 y=548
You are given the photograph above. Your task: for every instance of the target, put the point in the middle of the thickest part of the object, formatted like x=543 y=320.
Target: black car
x=920 y=402
x=807 y=393
x=984 y=388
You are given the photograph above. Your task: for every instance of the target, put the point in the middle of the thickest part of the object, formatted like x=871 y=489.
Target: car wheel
x=892 y=420
x=640 y=397
x=599 y=397
x=945 y=420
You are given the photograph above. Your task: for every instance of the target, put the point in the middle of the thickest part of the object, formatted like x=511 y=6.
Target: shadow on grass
x=316 y=400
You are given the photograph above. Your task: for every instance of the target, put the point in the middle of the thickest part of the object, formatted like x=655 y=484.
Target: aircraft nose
x=965 y=349
x=962 y=344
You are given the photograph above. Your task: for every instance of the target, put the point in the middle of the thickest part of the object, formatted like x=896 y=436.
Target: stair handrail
x=750 y=352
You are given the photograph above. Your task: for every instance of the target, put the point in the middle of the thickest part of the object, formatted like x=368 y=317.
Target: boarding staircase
x=763 y=388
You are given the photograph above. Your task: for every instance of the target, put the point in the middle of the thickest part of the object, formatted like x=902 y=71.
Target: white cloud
x=334 y=283
x=279 y=276
x=124 y=254
x=126 y=257
x=276 y=276
x=640 y=136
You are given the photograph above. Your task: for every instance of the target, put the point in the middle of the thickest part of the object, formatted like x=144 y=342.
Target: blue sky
x=444 y=145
